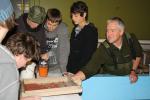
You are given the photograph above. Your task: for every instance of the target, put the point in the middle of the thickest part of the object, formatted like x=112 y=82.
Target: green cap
x=37 y=14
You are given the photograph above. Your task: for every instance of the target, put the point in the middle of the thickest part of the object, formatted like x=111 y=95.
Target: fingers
x=76 y=80
x=73 y=77
x=133 y=77
x=68 y=74
x=45 y=56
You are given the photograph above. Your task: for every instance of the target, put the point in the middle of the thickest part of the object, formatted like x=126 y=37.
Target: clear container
x=43 y=68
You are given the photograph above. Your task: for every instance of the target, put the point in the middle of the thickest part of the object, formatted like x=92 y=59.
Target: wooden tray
x=64 y=86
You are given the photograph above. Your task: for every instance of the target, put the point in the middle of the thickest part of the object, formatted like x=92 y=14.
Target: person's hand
x=31 y=98
x=68 y=74
x=133 y=77
x=73 y=77
x=45 y=56
x=76 y=79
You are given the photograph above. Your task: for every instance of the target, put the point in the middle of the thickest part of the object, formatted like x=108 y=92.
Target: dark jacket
x=102 y=62
x=37 y=33
x=82 y=46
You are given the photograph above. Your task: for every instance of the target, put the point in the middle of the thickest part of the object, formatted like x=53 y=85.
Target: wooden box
x=49 y=86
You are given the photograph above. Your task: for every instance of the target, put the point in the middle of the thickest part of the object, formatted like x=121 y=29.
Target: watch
x=134 y=70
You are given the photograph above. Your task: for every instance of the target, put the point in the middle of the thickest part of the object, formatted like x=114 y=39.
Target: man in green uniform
x=119 y=54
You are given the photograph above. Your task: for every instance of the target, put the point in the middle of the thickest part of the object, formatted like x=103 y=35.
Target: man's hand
x=75 y=77
x=133 y=77
x=79 y=77
x=68 y=74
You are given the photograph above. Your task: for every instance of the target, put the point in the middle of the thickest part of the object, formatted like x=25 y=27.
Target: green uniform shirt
x=102 y=61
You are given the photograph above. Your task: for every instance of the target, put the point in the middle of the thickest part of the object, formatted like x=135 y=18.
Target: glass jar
x=43 y=68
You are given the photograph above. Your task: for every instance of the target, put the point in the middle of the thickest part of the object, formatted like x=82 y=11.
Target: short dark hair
x=79 y=7
x=24 y=43
x=54 y=15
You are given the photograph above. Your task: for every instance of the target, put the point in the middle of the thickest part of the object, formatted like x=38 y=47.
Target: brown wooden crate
x=70 y=87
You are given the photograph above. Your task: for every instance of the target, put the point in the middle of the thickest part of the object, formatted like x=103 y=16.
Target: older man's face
x=113 y=32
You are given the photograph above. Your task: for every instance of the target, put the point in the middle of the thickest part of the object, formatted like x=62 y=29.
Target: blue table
x=108 y=87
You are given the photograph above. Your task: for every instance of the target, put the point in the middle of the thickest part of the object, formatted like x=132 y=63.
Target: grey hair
x=118 y=20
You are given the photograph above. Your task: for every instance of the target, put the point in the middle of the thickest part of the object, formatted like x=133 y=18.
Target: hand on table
x=73 y=77
x=133 y=77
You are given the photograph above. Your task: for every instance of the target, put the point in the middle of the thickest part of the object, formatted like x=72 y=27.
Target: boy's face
x=51 y=26
x=32 y=24
x=3 y=32
x=77 y=18
x=21 y=60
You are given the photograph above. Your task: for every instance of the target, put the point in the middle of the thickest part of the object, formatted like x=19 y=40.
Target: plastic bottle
x=43 y=68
